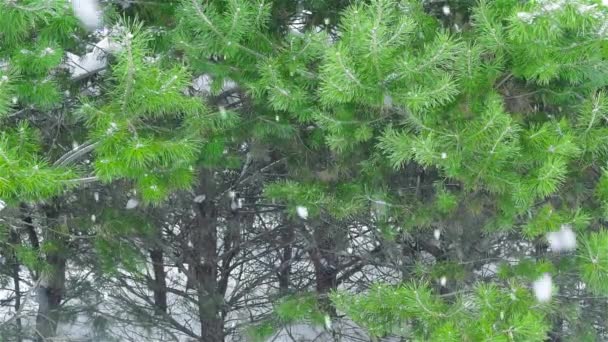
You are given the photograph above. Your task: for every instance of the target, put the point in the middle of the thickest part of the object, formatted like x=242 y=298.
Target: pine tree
x=431 y=170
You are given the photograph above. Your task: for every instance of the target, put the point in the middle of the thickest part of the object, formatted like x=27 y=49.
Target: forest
x=303 y=170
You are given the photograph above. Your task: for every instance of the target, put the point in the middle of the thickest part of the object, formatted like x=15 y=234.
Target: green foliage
x=593 y=261
x=489 y=313
x=489 y=120
x=146 y=130
x=300 y=308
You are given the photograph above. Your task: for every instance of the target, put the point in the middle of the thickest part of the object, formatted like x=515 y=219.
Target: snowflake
x=543 y=288
x=200 y=198
x=2 y=205
x=327 y=322
x=526 y=17
x=562 y=240
x=88 y=12
x=446 y=10
x=302 y=212
x=132 y=203
x=437 y=234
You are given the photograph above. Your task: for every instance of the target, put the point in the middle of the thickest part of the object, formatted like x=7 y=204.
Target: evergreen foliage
x=431 y=170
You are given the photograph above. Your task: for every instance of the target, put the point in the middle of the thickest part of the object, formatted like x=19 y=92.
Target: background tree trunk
x=52 y=282
x=159 y=283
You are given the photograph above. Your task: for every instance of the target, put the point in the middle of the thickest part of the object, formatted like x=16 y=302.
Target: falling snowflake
x=526 y=17
x=443 y=281
x=234 y=204
x=543 y=288
x=88 y=12
x=96 y=196
x=327 y=322
x=437 y=234
x=132 y=203
x=200 y=199
x=302 y=212
x=388 y=101
x=2 y=205
x=93 y=218
x=562 y=240
x=446 y=10
x=14 y=100
x=444 y=155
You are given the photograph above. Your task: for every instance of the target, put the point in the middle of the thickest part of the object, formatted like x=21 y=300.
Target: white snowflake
x=444 y=155
x=302 y=212
x=562 y=240
x=234 y=205
x=543 y=288
x=96 y=196
x=14 y=100
x=526 y=17
x=446 y=10
x=2 y=205
x=388 y=101
x=443 y=281
x=93 y=218
x=327 y=322
x=88 y=12
x=200 y=198
x=437 y=234
x=132 y=203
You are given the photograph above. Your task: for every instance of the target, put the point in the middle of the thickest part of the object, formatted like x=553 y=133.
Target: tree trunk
x=159 y=284
x=204 y=238
x=324 y=260
x=52 y=282
x=284 y=272
x=14 y=264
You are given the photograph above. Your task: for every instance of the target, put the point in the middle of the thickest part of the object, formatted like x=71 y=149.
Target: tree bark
x=284 y=272
x=14 y=264
x=204 y=239
x=52 y=282
x=159 y=284
x=324 y=259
